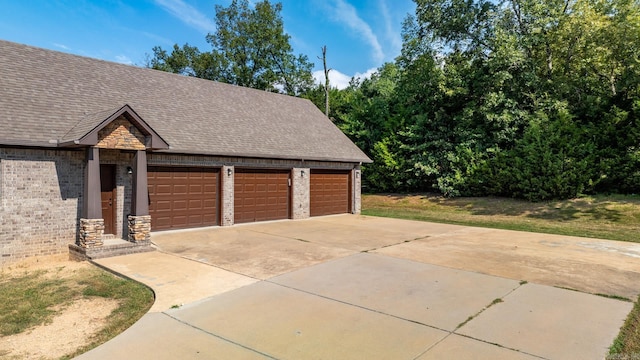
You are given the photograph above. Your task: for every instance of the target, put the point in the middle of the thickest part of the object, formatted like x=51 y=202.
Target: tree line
x=521 y=98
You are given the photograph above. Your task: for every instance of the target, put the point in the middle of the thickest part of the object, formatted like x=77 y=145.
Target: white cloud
x=392 y=34
x=123 y=59
x=187 y=14
x=340 y=80
x=61 y=46
x=347 y=14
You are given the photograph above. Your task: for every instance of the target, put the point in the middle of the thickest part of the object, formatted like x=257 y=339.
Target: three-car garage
x=188 y=197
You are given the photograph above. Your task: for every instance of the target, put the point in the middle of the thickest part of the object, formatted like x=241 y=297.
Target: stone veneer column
x=139 y=228
x=357 y=190
x=91 y=222
x=227 y=174
x=91 y=231
x=301 y=192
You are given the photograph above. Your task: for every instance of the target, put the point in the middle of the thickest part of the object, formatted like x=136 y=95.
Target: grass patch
x=628 y=341
x=466 y=321
x=615 y=297
x=33 y=298
x=605 y=217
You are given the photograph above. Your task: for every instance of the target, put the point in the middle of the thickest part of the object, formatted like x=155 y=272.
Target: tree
x=249 y=48
x=326 y=80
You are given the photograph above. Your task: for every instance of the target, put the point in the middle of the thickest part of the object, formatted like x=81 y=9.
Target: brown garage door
x=182 y=197
x=329 y=192
x=261 y=195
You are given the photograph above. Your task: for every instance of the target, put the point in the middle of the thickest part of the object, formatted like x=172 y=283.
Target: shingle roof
x=47 y=97
x=86 y=124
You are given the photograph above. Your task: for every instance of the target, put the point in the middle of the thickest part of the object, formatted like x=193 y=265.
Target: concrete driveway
x=356 y=287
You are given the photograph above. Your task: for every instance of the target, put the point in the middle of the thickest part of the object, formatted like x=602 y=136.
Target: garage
x=183 y=197
x=261 y=195
x=329 y=192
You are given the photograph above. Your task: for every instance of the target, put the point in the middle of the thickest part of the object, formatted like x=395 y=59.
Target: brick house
x=96 y=155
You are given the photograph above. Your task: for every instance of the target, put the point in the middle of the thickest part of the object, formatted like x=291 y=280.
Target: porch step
x=111 y=247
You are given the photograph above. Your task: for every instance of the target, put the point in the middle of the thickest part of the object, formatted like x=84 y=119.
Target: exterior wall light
x=229 y=171
x=129 y=170
x=302 y=173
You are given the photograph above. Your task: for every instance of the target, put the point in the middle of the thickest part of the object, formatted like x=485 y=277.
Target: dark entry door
x=108 y=192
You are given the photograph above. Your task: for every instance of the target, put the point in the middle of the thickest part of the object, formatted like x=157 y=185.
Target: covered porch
x=114 y=217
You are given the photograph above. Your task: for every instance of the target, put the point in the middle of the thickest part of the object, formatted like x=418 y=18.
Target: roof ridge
x=156 y=71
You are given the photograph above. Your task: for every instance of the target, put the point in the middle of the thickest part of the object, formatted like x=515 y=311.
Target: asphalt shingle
x=47 y=97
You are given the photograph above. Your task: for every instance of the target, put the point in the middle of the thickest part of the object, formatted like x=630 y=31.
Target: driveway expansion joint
x=355 y=305
x=209 y=264
x=395 y=244
x=218 y=336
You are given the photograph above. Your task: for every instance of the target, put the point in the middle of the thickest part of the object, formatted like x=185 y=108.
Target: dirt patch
x=70 y=329
x=63 y=335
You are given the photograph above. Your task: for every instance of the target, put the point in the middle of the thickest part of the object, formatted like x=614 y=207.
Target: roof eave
x=270 y=156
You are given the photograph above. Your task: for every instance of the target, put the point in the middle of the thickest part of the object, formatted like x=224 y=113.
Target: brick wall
x=41 y=199
x=357 y=191
x=219 y=161
x=227 y=202
x=301 y=193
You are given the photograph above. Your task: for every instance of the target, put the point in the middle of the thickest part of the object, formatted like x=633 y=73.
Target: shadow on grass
x=554 y=211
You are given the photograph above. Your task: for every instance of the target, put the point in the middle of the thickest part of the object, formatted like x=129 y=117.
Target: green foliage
x=551 y=161
x=249 y=48
x=521 y=98
x=528 y=99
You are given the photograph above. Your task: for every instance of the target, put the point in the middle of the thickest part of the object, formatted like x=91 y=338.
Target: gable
x=120 y=128
x=121 y=134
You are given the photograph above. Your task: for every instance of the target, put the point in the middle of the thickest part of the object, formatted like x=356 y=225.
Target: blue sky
x=360 y=35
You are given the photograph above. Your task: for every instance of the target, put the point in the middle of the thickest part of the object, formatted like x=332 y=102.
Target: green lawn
x=606 y=217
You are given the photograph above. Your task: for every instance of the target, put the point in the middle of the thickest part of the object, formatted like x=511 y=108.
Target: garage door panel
x=196 y=188
x=163 y=188
x=261 y=195
x=195 y=204
x=329 y=192
x=183 y=197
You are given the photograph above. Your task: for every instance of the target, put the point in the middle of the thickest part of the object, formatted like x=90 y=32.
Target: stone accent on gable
x=301 y=193
x=228 y=198
x=121 y=134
